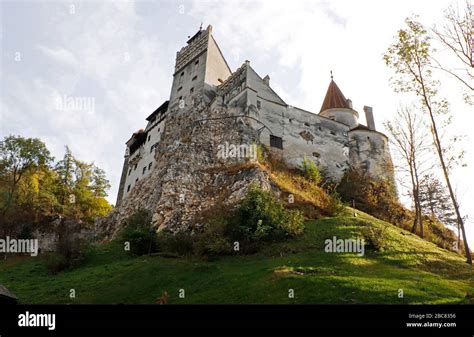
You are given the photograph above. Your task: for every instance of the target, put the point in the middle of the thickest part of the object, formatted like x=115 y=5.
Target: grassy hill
x=395 y=259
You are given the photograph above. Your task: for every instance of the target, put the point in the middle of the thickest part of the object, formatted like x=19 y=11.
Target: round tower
x=338 y=108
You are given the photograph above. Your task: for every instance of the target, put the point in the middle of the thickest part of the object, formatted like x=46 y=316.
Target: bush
x=55 y=262
x=138 y=233
x=375 y=237
x=180 y=243
x=335 y=206
x=70 y=251
x=310 y=171
x=260 y=217
x=214 y=239
x=260 y=153
x=377 y=197
x=211 y=241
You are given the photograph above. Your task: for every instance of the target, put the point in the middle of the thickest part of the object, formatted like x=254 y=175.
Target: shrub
x=375 y=237
x=55 y=262
x=214 y=239
x=70 y=250
x=377 y=197
x=260 y=153
x=138 y=233
x=180 y=243
x=261 y=217
x=335 y=206
x=310 y=170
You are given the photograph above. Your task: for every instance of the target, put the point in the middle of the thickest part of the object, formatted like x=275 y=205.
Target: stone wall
x=189 y=176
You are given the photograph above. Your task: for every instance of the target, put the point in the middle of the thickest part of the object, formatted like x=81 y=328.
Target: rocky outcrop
x=190 y=175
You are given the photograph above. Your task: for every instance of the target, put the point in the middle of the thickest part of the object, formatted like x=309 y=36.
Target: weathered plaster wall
x=370 y=152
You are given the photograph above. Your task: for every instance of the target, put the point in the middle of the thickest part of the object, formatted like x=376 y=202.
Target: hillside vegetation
x=396 y=260
x=286 y=256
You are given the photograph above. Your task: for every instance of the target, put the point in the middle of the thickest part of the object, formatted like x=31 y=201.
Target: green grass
x=426 y=273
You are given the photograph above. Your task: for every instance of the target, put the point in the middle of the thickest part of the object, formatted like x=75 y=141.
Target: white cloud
x=60 y=55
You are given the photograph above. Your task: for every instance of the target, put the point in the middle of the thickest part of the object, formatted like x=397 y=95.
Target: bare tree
x=456 y=35
x=408 y=134
x=410 y=57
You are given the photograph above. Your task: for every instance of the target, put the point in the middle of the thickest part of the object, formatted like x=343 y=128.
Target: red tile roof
x=334 y=98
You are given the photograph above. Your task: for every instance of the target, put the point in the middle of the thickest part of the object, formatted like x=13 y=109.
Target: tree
x=32 y=193
x=407 y=132
x=456 y=35
x=435 y=201
x=409 y=56
x=18 y=155
x=65 y=170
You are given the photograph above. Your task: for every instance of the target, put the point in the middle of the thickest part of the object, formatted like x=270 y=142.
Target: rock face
x=191 y=173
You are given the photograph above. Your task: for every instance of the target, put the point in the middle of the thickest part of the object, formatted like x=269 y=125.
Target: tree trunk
x=448 y=183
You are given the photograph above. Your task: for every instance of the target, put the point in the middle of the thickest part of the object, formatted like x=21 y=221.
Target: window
x=149 y=136
x=128 y=188
x=149 y=166
x=191 y=90
x=276 y=142
x=196 y=65
x=333 y=133
x=129 y=171
x=194 y=78
x=181 y=78
x=179 y=89
x=153 y=147
x=259 y=104
x=135 y=167
x=144 y=170
x=306 y=124
x=136 y=180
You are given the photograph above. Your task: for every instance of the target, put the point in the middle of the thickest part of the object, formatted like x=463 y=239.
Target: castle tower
x=200 y=67
x=337 y=107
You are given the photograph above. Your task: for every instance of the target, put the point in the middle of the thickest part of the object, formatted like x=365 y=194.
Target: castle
x=333 y=138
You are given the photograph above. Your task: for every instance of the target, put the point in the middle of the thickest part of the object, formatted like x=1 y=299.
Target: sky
x=114 y=60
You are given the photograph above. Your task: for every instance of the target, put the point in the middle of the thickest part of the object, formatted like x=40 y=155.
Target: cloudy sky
x=117 y=58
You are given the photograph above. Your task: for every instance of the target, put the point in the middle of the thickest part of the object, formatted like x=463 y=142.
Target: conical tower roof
x=334 y=98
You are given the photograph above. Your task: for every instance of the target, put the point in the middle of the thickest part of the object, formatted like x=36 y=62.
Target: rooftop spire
x=334 y=97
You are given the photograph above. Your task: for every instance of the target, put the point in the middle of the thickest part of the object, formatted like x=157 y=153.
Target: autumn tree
x=33 y=190
x=83 y=188
x=410 y=57
x=18 y=156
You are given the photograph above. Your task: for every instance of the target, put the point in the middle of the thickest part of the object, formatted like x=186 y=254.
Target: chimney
x=369 y=116
x=266 y=80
